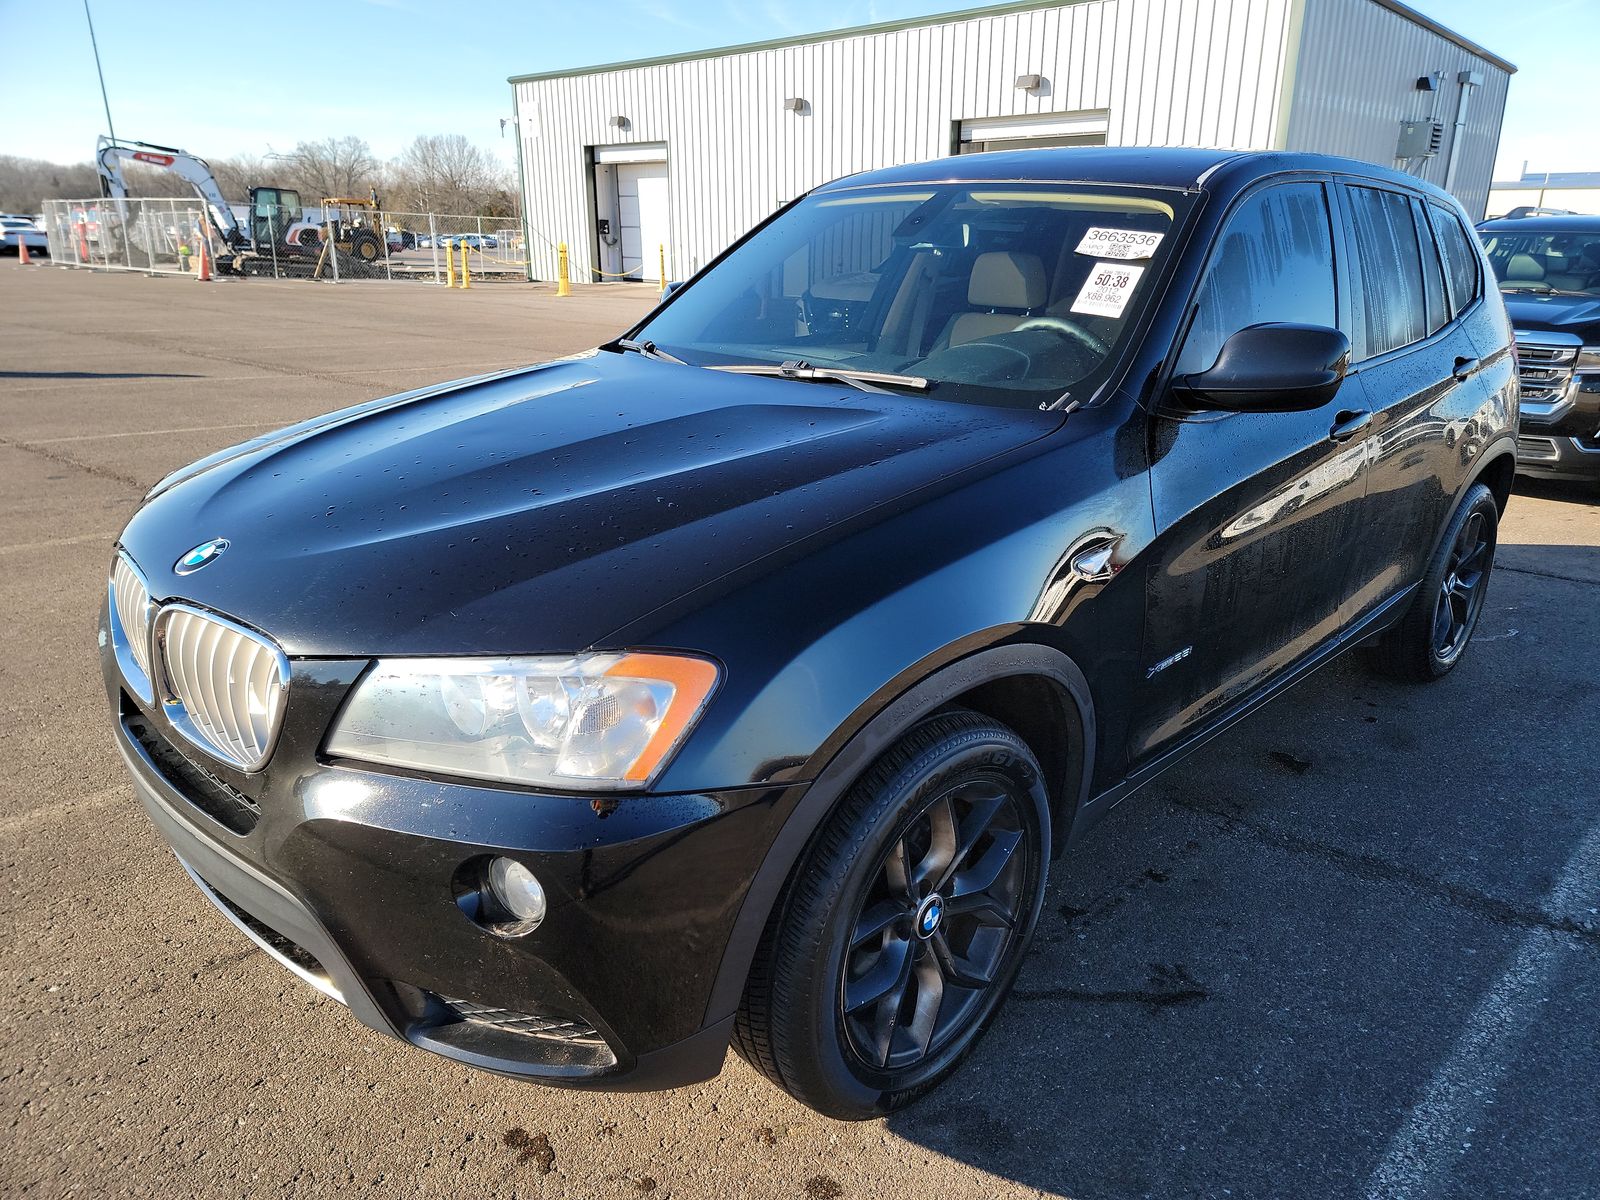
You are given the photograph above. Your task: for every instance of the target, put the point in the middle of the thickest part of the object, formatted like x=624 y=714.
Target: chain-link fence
x=336 y=241
x=155 y=236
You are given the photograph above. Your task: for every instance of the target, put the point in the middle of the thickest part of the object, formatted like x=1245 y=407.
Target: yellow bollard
x=563 y=284
x=466 y=275
x=663 y=277
x=449 y=265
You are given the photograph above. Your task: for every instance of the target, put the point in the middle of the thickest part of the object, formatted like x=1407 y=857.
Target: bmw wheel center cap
x=202 y=555
x=930 y=916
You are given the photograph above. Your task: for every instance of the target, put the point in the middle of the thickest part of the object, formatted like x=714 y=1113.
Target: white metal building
x=678 y=156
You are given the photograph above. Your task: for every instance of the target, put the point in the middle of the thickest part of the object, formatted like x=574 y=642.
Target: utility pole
x=110 y=128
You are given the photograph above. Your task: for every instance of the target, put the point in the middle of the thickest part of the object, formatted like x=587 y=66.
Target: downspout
x=1468 y=80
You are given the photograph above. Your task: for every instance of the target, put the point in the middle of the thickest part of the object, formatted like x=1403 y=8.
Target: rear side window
x=1273 y=262
x=1393 y=300
x=1460 y=259
x=1432 y=276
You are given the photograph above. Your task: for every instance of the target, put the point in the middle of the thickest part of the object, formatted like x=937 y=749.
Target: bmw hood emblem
x=205 y=552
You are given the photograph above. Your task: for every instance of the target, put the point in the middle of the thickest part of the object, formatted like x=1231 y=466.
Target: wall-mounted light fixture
x=796 y=104
x=620 y=123
x=1029 y=83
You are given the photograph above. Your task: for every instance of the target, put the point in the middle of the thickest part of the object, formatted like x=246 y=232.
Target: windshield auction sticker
x=1107 y=290
x=1100 y=242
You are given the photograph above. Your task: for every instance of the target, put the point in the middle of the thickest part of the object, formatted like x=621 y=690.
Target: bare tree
x=332 y=167
x=26 y=183
x=238 y=173
x=444 y=172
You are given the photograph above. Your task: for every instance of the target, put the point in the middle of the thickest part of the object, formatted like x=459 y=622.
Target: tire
x=1431 y=638
x=365 y=248
x=959 y=797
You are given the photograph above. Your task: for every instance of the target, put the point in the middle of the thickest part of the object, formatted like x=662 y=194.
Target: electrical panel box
x=1420 y=139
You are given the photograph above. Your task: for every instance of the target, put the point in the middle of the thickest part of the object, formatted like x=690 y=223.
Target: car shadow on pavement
x=1253 y=977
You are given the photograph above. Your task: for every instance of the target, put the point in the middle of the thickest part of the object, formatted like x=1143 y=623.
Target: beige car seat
x=1000 y=280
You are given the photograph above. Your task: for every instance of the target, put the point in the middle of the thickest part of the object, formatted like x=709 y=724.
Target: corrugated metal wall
x=1179 y=72
x=1165 y=72
x=1356 y=81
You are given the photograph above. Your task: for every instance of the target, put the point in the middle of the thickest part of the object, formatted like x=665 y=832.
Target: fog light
x=517 y=891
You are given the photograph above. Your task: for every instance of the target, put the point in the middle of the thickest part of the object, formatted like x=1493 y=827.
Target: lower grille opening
x=286 y=950
x=225 y=805
x=549 y=1026
x=1536 y=448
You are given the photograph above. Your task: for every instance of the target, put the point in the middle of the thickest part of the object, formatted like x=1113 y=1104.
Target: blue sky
x=221 y=78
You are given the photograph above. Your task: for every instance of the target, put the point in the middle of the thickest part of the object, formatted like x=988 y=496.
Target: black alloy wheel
x=904 y=924
x=933 y=930
x=1462 y=591
x=1433 y=635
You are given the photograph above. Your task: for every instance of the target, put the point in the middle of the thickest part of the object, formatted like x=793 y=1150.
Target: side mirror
x=1277 y=367
x=672 y=287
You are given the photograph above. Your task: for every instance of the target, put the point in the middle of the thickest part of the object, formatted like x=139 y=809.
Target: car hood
x=1561 y=314
x=543 y=509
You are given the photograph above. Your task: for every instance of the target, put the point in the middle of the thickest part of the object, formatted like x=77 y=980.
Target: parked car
x=1548 y=269
x=744 y=676
x=477 y=241
x=18 y=231
x=401 y=239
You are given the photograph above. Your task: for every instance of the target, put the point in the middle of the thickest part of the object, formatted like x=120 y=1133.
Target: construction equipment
x=351 y=223
x=276 y=236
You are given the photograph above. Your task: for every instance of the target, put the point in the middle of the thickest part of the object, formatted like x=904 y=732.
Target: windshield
x=1548 y=261
x=998 y=293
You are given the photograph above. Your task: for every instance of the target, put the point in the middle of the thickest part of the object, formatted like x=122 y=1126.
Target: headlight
x=1589 y=358
x=592 y=721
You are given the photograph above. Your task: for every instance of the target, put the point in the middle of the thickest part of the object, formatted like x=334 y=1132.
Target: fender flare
x=1502 y=446
x=871 y=739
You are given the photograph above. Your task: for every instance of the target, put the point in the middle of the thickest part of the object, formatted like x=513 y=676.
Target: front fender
x=841 y=760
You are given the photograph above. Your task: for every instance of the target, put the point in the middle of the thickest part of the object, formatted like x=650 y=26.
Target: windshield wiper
x=649 y=350
x=799 y=369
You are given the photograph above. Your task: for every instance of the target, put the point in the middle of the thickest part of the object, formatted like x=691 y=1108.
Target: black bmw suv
x=1548 y=268
x=741 y=679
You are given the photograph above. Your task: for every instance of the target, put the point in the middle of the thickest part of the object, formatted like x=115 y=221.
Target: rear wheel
x=1433 y=635
x=364 y=247
x=905 y=924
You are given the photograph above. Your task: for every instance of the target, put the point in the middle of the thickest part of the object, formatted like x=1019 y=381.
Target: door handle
x=1347 y=424
x=1466 y=367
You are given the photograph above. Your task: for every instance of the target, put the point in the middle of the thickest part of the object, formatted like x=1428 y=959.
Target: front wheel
x=1433 y=635
x=905 y=924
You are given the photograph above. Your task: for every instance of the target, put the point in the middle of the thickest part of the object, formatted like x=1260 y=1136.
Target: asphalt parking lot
x=1352 y=948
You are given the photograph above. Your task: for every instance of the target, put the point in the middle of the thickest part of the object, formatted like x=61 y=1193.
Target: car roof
x=1555 y=223
x=1143 y=166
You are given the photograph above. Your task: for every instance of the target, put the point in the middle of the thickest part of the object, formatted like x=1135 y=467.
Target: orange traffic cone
x=22 y=249
x=204 y=274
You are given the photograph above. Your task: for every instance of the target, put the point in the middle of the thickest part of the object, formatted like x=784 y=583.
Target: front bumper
x=352 y=879
x=1546 y=455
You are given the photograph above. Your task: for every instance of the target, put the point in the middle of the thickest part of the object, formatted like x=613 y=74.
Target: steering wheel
x=1070 y=330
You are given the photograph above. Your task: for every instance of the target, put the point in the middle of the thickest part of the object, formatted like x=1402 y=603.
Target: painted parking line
x=95 y=437
x=1420 y=1156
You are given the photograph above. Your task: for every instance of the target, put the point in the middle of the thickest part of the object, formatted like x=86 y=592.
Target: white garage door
x=642 y=213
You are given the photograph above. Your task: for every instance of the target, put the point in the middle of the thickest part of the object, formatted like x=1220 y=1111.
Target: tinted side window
x=1393 y=306
x=1273 y=262
x=1460 y=258
x=1432 y=276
